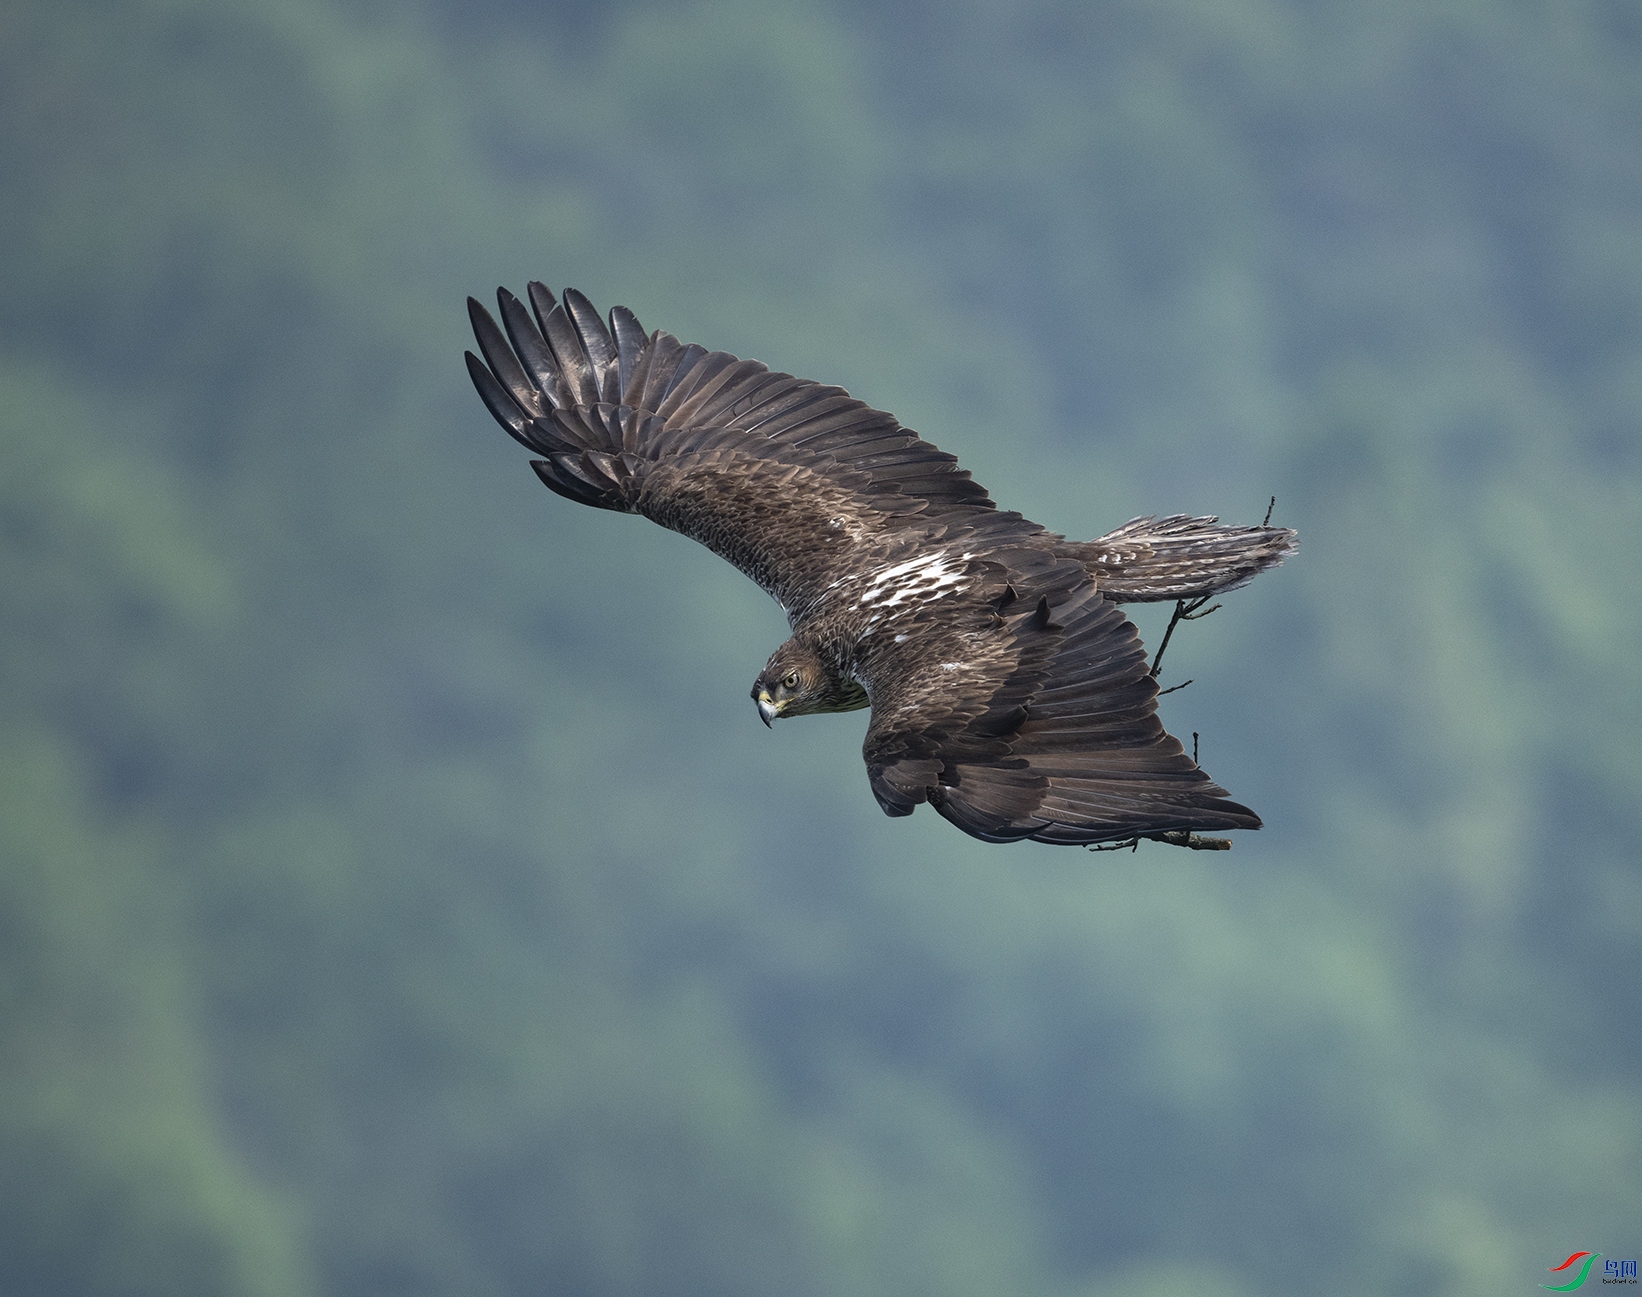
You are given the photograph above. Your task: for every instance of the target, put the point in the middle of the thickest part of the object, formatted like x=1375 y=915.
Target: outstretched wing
x=785 y=478
x=1037 y=721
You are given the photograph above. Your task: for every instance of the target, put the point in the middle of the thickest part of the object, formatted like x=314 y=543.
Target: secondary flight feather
x=1007 y=688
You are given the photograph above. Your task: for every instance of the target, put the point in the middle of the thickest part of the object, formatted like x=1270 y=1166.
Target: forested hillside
x=398 y=893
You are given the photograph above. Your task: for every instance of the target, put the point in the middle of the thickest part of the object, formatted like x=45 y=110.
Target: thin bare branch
x=1183 y=611
x=1192 y=841
x=1170 y=838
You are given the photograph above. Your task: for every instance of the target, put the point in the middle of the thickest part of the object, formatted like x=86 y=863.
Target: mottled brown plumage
x=1007 y=689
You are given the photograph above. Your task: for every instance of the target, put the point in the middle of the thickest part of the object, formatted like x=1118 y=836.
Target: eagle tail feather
x=1179 y=557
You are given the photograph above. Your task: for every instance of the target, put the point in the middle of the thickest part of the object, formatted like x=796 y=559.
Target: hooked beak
x=767 y=710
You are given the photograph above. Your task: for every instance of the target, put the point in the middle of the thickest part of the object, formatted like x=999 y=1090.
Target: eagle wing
x=1034 y=716
x=787 y=479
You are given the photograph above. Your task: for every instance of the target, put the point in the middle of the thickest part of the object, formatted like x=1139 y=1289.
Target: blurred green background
x=398 y=894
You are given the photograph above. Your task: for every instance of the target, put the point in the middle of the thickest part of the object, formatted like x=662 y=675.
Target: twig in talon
x=1191 y=841
x=1179 y=612
x=1183 y=611
x=1128 y=844
x=1169 y=838
x=1172 y=688
x=1266 y=521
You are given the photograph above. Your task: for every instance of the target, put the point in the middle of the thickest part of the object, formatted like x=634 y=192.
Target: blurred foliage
x=398 y=894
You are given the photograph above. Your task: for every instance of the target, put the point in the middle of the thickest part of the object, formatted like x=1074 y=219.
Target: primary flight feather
x=1007 y=688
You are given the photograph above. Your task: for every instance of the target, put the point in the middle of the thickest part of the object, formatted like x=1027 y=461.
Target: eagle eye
x=790 y=680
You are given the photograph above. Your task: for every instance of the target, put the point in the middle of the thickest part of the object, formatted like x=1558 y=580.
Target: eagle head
x=797 y=682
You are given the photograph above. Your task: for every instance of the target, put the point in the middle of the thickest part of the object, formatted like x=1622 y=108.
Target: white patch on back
x=916 y=581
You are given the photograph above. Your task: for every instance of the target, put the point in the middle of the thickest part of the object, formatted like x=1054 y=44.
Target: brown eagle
x=1007 y=689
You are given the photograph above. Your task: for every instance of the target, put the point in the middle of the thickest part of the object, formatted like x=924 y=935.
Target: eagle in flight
x=1007 y=688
